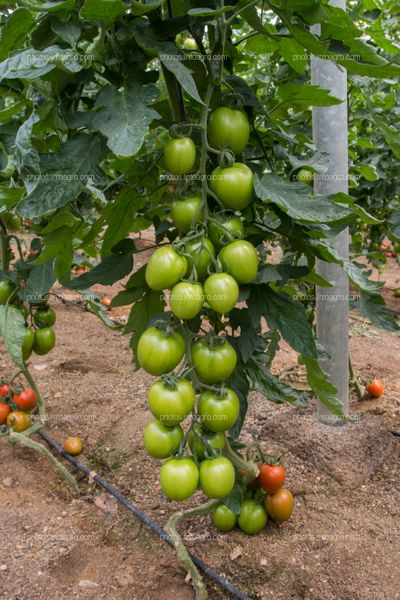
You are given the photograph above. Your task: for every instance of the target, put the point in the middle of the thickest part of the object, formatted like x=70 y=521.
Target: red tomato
x=5 y=410
x=4 y=390
x=272 y=477
x=375 y=388
x=26 y=400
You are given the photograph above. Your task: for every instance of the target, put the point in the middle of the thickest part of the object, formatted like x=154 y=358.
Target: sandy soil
x=341 y=544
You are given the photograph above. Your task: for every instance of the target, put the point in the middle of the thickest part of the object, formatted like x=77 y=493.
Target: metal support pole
x=330 y=136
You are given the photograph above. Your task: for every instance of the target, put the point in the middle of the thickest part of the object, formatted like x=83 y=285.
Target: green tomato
x=199 y=437
x=201 y=252
x=218 y=412
x=165 y=268
x=158 y=352
x=223 y=518
x=161 y=441
x=213 y=363
x=45 y=317
x=179 y=478
x=186 y=299
x=171 y=403
x=45 y=340
x=305 y=176
x=221 y=292
x=186 y=213
x=233 y=185
x=226 y=226
x=253 y=517
x=6 y=289
x=239 y=259
x=217 y=477
x=12 y=222
x=180 y=155
x=228 y=128
x=369 y=130
x=27 y=343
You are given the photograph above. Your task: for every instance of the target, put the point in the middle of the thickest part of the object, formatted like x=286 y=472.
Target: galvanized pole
x=330 y=136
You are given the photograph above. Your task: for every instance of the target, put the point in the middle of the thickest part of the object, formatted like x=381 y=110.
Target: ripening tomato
x=73 y=446
x=217 y=477
x=27 y=343
x=213 y=361
x=18 y=420
x=239 y=259
x=187 y=212
x=272 y=477
x=375 y=388
x=160 y=352
x=223 y=518
x=228 y=128
x=45 y=340
x=253 y=517
x=45 y=317
x=223 y=227
x=165 y=268
x=5 y=410
x=180 y=155
x=161 y=441
x=202 y=440
x=186 y=299
x=218 y=412
x=25 y=400
x=305 y=176
x=171 y=402
x=4 y=390
x=221 y=292
x=201 y=252
x=106 y=301
x=280 y=505
x=6 y=289
x=179 y=478
x=233 y=185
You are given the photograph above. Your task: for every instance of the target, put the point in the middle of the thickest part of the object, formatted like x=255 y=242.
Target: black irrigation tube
x=142 y=517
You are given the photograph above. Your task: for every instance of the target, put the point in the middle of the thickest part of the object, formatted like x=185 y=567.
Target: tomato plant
x=223 y=518
x=217 y=477
x=161 y=441
x=280 y=505
x=159 y=352
x=179 y=478
x=203 y=441
x=223 y=227
x=253 y=517
x=200 y=256
x=73 y=446
x=25 y=400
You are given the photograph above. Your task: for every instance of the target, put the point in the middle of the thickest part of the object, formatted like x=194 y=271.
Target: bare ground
x=342 y=542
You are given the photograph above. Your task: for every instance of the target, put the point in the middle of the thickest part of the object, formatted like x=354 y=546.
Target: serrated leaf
x=14 y=30
x=170 y=60
x=26 y=158
x=40 y=281
x=31 y=64
x=12 y=330
x=274 y=389
x=102 y=10
x=111 y=269
x=295 y=200
x=374 y=308
x=357 y=274
x=123 y=116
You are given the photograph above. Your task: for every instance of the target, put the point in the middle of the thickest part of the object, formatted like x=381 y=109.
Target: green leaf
x=169 y=57
x=120 y=216
x=294 y=54
x=289 y=317
x=374 y=308
x=300 y=95
x=295 y=199
x=280 y=273
x=68 y=31
x=235 y=498
x=368 y=171
x=238 y=381
x=151 y=304
x=14 y=31
x=63 y=262
x=40 y=281
x=26 y=155
x=274 y=389
x=323 y=389
x=142 y=8
x=12 y=330
x=207 y=12
x=111 y=269
x=31 y=64
x=102 y=10
x=123 y=116
x=359 y=277
x=247 y=342
x=50 y=7
x=64 y=176
x=13 y=109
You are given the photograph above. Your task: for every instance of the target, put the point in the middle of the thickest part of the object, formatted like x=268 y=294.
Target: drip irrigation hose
x=142 y=517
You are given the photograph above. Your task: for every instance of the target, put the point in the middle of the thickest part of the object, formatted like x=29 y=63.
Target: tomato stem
x=246 y=468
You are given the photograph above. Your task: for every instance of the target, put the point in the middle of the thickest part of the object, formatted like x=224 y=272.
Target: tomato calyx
x=180 y=130
x=226 y=158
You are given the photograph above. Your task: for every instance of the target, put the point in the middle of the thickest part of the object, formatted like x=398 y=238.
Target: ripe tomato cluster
x=40 y=337
x=16 y=406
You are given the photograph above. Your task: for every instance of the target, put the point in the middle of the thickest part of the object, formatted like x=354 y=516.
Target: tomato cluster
x=16 y=406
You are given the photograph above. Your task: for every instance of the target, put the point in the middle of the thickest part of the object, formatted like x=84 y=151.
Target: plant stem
x=4 y=253
x=182 y=553
x=59 y=468
x=40 y=404
x=354 y=381
x=249 y=469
